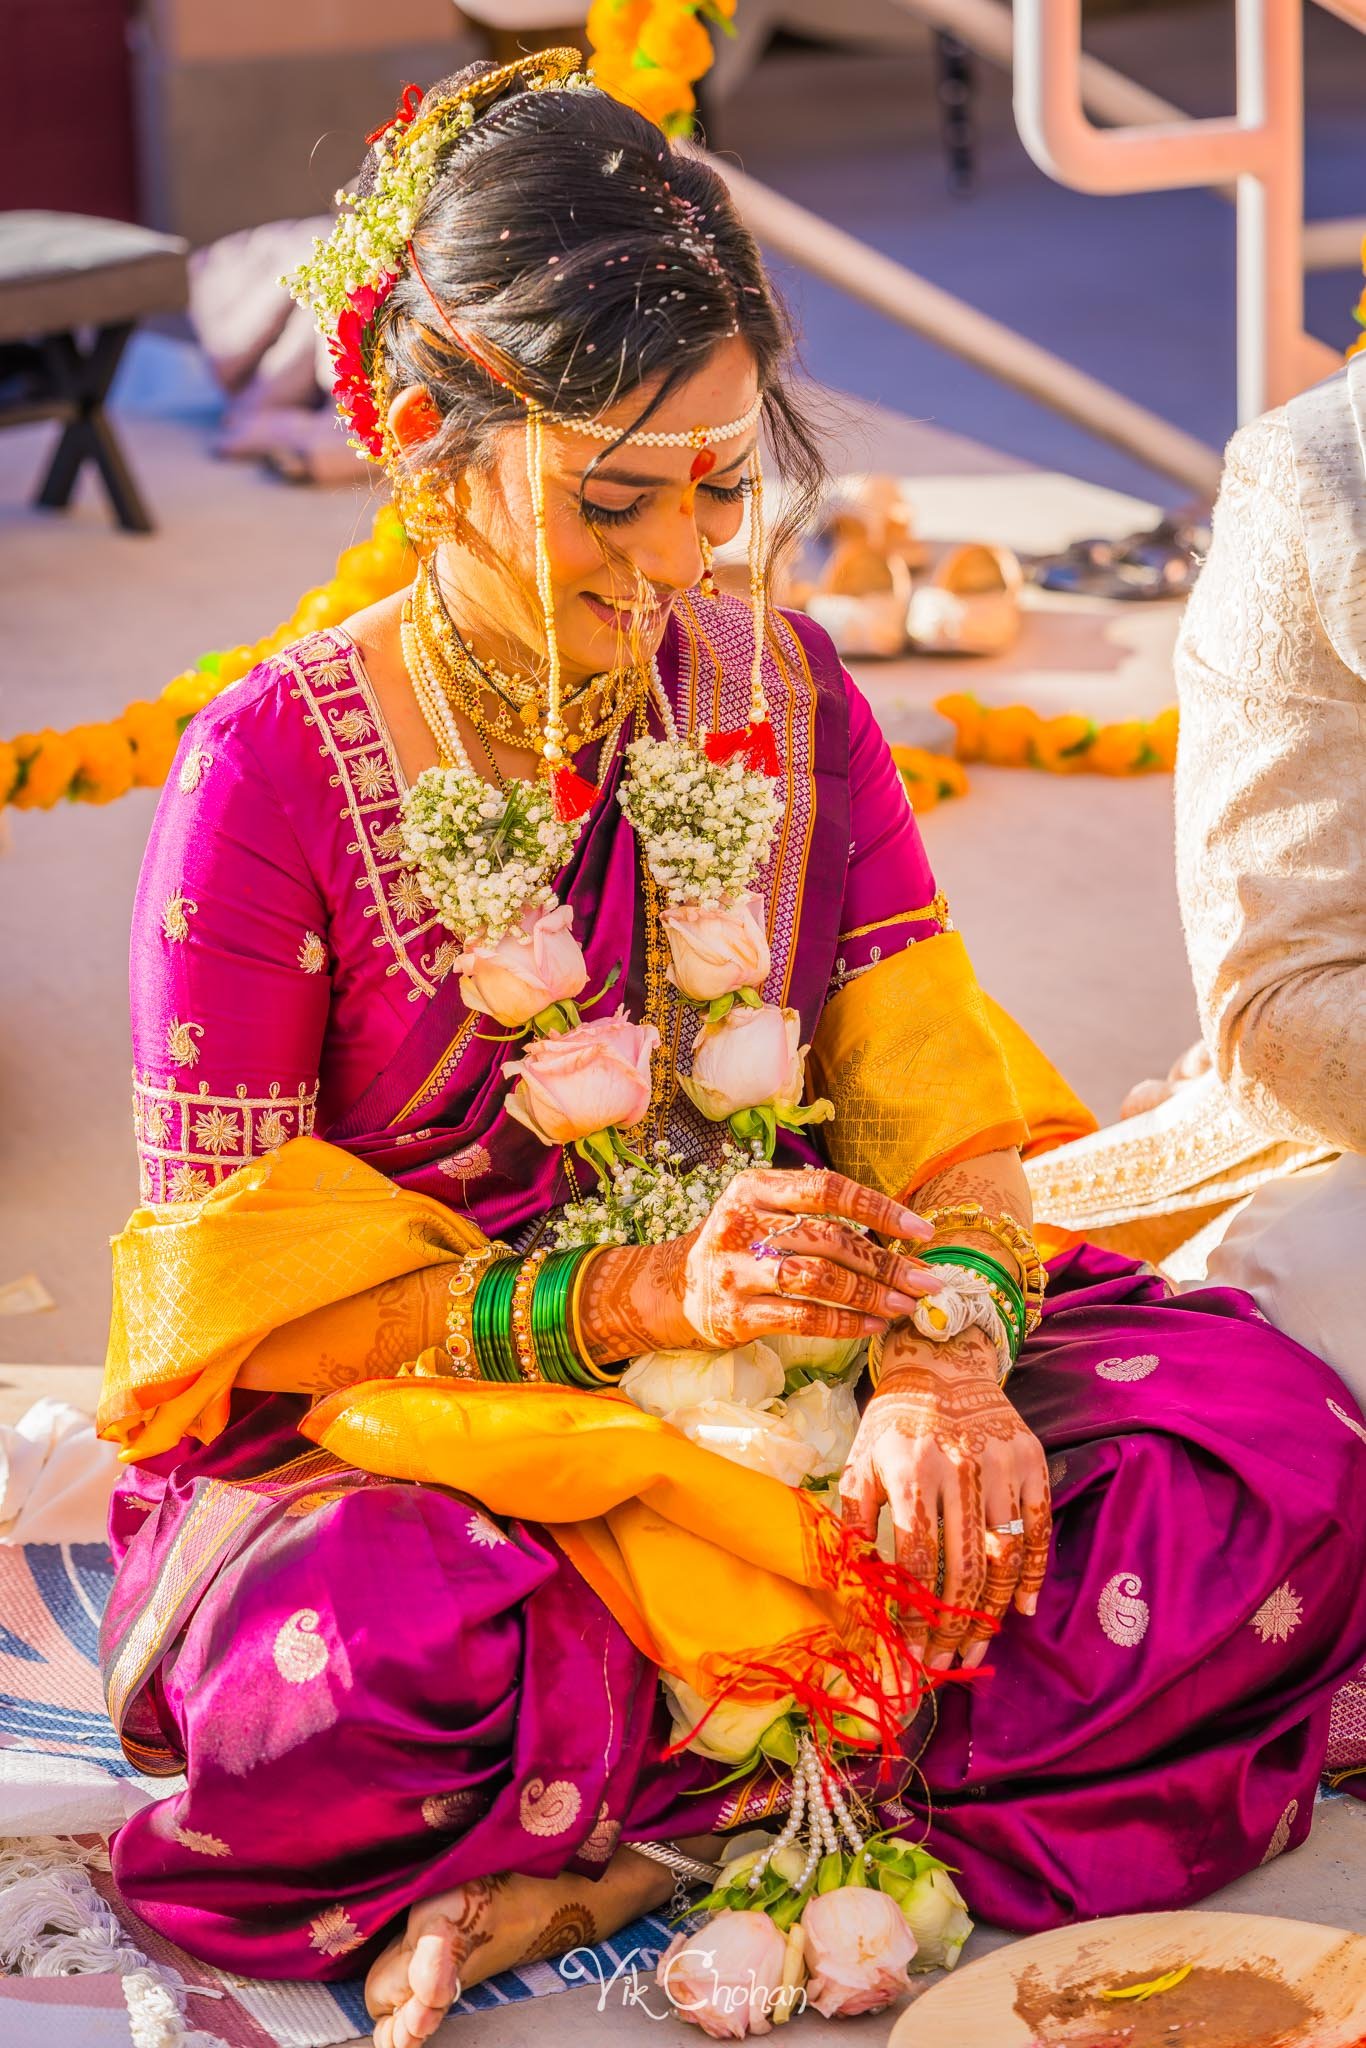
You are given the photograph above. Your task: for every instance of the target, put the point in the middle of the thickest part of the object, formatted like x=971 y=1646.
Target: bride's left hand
x=943 y=1447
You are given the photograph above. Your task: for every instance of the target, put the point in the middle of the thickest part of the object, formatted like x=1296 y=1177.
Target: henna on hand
x=956 y=1464
x=826 y=1280
x=632 y=1301
x=997 y=1182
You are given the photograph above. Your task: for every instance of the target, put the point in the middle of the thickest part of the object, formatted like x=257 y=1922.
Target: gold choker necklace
x=504 y=707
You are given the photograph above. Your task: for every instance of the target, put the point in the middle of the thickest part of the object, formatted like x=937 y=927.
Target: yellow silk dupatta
x=726 y=1578
x=200 y=1286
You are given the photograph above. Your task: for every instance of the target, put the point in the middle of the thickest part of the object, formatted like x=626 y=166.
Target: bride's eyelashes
x=622 y=515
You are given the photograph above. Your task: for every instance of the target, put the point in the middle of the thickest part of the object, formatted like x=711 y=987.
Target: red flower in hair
x=367 y=299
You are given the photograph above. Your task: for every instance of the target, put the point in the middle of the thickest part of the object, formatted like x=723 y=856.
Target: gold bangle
x=522 y=1341
x=469 y=1271
x=1016 y=1240
x=608 y=1379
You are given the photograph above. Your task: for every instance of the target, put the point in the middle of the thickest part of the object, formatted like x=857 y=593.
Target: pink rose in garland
x=749 y=1070
x=717 y=951
x=528 y=970
x=751 y=1056
x=858 y=1949
x=574 y=1084
x=727 y=1977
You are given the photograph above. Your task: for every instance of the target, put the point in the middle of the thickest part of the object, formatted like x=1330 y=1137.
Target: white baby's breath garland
x=650 y=1201
x=483 y=856
x=704 y=826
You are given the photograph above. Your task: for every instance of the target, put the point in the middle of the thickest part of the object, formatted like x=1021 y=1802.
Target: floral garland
x=353 y=271
x=651 y=53
x=97 y=762
x=1014 y=736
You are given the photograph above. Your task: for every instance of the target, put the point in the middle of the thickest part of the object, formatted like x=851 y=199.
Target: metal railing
x=1260 y=148
x=975 y=337
x=1254 y=157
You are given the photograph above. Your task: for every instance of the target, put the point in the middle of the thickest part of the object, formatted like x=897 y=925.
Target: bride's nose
x=668 y=556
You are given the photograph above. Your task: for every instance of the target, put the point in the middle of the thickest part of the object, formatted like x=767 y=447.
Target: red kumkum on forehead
x=703 y=463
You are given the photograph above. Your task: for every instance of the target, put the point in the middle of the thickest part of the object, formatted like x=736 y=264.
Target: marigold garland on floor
x=1069 y=743
x=96 y=762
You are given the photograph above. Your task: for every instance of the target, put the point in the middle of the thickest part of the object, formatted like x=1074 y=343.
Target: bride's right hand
x=777 y=1256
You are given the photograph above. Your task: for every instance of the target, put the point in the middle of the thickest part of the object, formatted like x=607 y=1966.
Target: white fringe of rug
x=53 y=1923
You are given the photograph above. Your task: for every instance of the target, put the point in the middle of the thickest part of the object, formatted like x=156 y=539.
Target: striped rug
x=62 y=1773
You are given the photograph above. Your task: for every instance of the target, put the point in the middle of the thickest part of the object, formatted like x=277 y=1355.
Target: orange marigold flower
x=49 y=761
x=673 y=38
x=1061 y=743
x=234 y=664
x=929 y=776
x=658 y=95
x=190 y=692
x=9 y=771
x=153 y=732
x=615 y=24
x=105 y=766
x=1162 y=734
x=966 y=715
x=1008 y=732
x=317 y=608
x=1119 y=749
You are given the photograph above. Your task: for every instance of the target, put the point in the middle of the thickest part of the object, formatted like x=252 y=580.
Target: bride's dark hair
x=566 y=237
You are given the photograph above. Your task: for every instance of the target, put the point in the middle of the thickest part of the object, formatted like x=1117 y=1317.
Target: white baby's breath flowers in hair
x=705 y=826
x=483 y=856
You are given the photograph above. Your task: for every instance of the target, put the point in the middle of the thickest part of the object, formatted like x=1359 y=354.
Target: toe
x=415 y=2022
x=386 y=1983
x=432 y=1974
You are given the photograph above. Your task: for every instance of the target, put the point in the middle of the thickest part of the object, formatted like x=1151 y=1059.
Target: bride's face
x=623 y=541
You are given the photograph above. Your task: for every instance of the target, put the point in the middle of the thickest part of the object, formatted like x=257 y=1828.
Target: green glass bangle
x=1005 y=1290
x=550 y=1319
x=491 y=1321
x=982 y=1263
x=553 y=1326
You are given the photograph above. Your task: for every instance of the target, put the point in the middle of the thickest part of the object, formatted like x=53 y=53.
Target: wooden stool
x=63 y=277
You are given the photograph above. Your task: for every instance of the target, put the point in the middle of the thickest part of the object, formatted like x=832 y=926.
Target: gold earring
x=424 y=503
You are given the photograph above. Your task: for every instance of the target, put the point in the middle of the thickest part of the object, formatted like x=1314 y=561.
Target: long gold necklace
x=508 y=708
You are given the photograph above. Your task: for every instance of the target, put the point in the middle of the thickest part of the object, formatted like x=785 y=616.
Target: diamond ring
x=762 y=1249
x=1008 y=1529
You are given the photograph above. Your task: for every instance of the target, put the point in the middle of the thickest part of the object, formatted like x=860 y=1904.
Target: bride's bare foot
x=457 y=1938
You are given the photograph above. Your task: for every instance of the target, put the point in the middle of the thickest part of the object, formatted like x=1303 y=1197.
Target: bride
x=477 y=954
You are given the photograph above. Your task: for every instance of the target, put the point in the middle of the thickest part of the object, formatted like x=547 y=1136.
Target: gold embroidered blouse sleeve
x=1271 y=813
x=229 y=979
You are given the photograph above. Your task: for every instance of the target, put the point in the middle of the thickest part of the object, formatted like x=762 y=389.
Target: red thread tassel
x=755 y=742
x=570 y=794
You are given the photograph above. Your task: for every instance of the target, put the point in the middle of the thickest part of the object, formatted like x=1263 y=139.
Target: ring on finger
x=762 y=1249
x=1015 y=1528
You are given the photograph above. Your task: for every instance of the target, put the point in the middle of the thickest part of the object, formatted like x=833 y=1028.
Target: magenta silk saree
x=375 y=1689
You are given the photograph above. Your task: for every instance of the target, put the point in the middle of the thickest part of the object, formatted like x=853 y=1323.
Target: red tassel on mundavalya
x=757 y=743
x=883 y=1681
x=570 y=794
